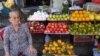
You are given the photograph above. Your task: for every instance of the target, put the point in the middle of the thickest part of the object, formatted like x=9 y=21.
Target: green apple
x=60 y=16
x=64 y=16
x=50 y=16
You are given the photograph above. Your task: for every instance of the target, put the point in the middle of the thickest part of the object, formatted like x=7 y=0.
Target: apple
x=57 y=27
x=36 y=27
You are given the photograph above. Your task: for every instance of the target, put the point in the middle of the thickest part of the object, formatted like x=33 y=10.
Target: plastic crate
x=92 y=7
x=95 y=52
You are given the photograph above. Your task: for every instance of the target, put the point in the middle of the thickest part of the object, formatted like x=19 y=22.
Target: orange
x=53 y=48
x=85 y=15
x=80 y=12
x=84 y=11
x=83 y=19
x=50 y=45
x=75 y=19
x=46 y=48
x=62 y=43
x=58 y=48
x=71 y=47
x=81 y=15
x=59 y=41
x=77 y=15
x=79 y=19
x=44 y=51
x=59 y=52
x=76 y=12
x=87 y=19
x=73 y=15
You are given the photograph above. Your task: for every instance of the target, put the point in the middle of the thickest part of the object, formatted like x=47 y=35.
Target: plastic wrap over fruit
x=47 y=39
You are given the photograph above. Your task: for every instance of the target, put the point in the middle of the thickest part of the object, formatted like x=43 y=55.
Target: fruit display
x=58 y=17
x=36 y=27
x=57 y=28
x=97 y=28
x=81 y=15
x=38 y=16
x=97 y=17
x=58 y=47
x=82 y=28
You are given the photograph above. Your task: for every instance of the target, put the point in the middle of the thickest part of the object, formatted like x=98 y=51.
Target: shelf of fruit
x=57 y=28
x=83 y=29
x=58 y=17
x=58 y=33
x=83 y=15
x=58 y=47
x=38 y=16
x=36 y=27
x=97 y=28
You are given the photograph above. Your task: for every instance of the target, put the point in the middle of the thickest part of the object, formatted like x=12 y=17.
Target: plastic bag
x=47 y=39
x=1 y=6
x=1 y=34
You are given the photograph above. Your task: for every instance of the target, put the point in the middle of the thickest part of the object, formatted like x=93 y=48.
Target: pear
x=91 y=17
x=97 y=17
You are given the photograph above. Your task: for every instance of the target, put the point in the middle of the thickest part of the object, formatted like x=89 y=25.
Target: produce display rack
x=57 y=33
x=76 y=38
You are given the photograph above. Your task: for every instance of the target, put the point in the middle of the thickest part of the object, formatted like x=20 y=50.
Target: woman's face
x=14 y=18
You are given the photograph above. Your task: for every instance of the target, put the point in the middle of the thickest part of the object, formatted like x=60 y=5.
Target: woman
x=17 y=38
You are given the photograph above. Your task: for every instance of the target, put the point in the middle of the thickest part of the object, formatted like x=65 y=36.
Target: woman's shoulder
x=8 y=28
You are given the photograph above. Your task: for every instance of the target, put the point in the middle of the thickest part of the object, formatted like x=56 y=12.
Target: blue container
x=95 y=52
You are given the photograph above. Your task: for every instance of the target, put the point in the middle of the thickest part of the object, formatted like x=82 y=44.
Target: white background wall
x=57 y=4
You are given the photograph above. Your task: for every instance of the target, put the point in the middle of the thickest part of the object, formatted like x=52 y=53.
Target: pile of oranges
x=58 y=47
x=80 y=15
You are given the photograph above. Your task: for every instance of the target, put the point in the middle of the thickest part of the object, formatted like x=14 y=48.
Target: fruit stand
x=78 y=23
x=59 y=34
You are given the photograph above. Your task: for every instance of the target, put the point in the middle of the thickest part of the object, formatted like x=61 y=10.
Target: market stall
x=61 y=32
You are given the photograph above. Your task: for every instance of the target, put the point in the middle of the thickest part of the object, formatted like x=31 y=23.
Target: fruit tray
x=66 y=55
x=84 y=34
x=57 y=20
x=36 y=32
x=81 y=15
x=36 y=20
x=59 y=55
x=57 y=33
